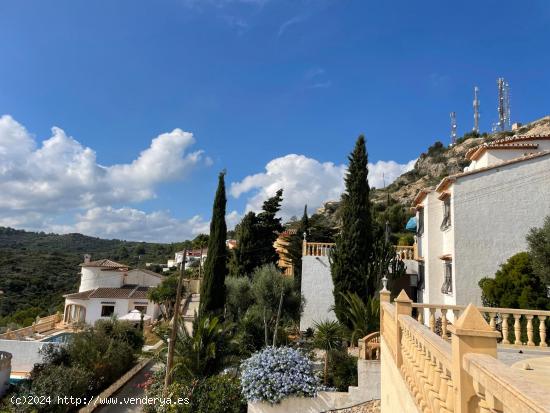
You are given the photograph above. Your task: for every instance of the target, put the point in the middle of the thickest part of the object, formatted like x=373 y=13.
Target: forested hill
x=36 y=269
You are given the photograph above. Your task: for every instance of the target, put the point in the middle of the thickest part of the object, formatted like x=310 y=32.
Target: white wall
x=317 y=289
x=122 y=307
x=142 y=278
x=94 y=277
x=25 y=354
x=493 y=213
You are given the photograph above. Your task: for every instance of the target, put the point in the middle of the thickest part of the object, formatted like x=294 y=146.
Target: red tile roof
x=105 y=263
x=127 y=291
x=447 y=181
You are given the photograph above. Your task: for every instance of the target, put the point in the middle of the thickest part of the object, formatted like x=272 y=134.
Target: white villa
x=475 y=220
x=110 y=289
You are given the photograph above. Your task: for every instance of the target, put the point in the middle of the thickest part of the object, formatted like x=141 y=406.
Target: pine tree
x=246 y=258
x=268 y=229
x=215 y=267
x=354 y=245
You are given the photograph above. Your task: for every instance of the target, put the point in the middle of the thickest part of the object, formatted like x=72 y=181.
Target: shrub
x=274 y=373
x=218 y=394
x=342 y=370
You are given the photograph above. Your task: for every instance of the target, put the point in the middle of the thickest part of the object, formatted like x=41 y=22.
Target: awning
x=134 y=315
x=411 y=224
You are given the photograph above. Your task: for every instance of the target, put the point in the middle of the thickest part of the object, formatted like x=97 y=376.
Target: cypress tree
x=268 y=228
x=295 y=246
x=353 y=251
x=215 y=267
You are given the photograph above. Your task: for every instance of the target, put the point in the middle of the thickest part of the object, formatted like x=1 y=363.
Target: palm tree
x=205 y=352
x=363 y=318
x=328 y=336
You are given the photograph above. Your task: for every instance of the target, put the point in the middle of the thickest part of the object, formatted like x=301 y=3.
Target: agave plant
x=364 y=318
x=328 y=336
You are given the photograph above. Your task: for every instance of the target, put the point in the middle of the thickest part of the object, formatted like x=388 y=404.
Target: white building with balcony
x=475 y=220
x=108 y=289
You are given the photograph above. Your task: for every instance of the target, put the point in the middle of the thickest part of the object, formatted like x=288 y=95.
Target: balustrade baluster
x=420 y=315
x=444 y=323
x=542 y=331
x=530 y=341
x=517 y=329
x=505 y=328
x=432 y=319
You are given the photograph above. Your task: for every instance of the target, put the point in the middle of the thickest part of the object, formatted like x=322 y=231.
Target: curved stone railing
x=500 y=388
x=369 y=346
x=511 y=322
x=41 y=325
x=463 y=375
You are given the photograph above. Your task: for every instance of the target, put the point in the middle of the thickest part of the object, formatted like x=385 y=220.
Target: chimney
x=87 y=258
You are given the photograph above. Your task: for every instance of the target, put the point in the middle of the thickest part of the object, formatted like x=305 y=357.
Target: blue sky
x=274 y=91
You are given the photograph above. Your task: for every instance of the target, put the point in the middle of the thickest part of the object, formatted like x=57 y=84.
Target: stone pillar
x=403 y=306
x=470 y=334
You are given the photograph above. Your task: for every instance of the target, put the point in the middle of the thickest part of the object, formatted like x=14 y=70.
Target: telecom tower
x=476 y=110
x=504 y=118
x=453 y=128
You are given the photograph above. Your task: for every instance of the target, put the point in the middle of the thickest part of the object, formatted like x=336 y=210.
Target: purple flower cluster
x=274 y=373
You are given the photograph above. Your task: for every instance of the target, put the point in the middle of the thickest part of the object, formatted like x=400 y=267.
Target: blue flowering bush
x=274 y=373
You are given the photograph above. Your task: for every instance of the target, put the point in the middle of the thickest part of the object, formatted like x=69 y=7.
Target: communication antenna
x=476 y=110
x=504 y=115
x=453 y=128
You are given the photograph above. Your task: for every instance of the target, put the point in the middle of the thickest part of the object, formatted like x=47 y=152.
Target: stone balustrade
x=518 y=327
x=423 y=371
x=317 y=249
x=406 y=252
x=41 y=325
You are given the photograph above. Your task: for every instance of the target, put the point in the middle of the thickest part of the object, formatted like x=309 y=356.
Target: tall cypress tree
x=215 y=267
x=353 y=251
x=246 y=253
x=268 y=229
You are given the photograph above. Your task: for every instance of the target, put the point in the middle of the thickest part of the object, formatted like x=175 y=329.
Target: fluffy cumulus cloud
x=43 y=183
x=61 y=173
x=307 y=181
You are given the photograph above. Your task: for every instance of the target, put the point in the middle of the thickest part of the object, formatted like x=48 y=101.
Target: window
x=446 y=223
x=447 y=287
x=420 y=226
x=141 y=308
x=420 y=284
x=107 y=310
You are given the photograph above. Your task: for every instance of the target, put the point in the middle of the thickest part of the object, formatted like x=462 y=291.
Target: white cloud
x=134 y=224
x=288 y=23
x=61 y=174
x=307 y=181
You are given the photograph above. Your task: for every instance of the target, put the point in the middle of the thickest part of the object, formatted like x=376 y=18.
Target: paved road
x=130 y=389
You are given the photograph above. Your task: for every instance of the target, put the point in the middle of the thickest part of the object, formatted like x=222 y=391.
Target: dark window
x=107 y=310
x=420 y=226
x=141 y=308
x=447 y=287
x=420 y=284
x=446 y=223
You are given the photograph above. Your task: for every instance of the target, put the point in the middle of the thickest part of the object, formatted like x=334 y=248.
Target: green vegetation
x=165 y=294
x=342 y=370
x=539 y=248
x=215 y=267
x=328 y=336
x=255 y=237
x=90 y=362
x=353 y=251
x=515 y=285
x=36 y=269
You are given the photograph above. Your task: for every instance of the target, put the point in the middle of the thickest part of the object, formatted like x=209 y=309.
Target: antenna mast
x=453 y=128
x=504 y=115
x=476 y=110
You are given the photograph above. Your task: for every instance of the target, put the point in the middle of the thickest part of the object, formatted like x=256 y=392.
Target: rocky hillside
x=434 y=164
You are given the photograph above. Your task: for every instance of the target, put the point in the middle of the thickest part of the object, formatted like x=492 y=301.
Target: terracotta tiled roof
x=103 y=264
x=509 y=142
x=447 y=181
x=156 y=274
x=127 y=291
x=421 y=195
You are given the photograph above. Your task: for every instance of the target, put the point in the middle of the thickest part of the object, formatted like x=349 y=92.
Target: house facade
x=475 y=220
x=110 y=289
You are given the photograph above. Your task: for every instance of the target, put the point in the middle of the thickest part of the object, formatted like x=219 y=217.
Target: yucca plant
x=328 y=336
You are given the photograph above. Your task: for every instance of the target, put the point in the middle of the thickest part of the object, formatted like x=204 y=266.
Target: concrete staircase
x=368 y=382
x=190 y=309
